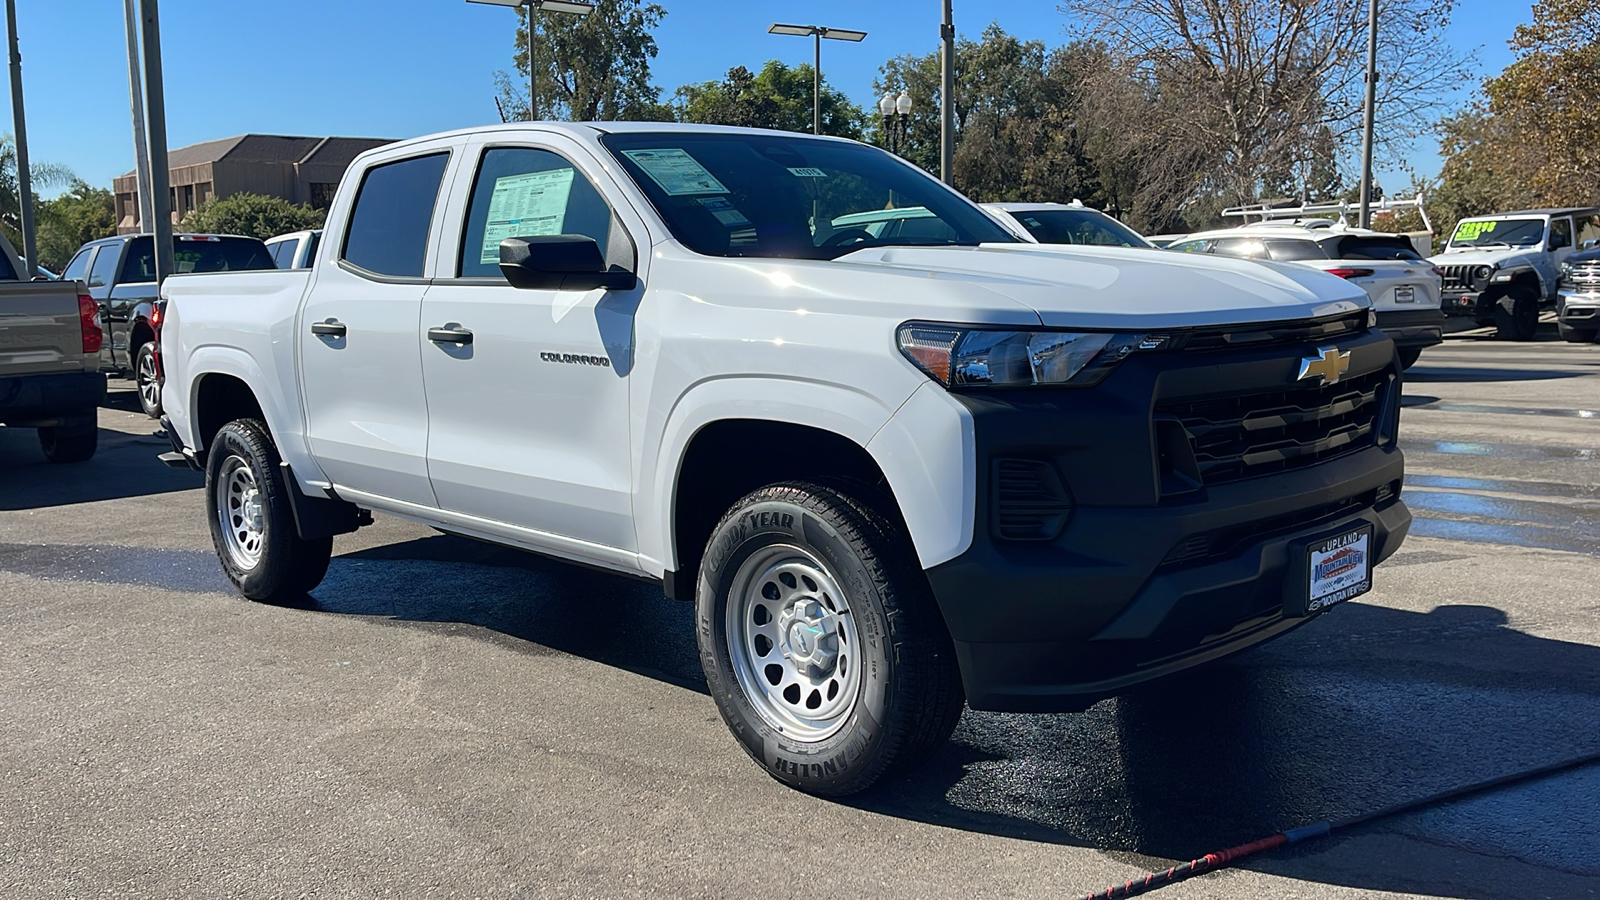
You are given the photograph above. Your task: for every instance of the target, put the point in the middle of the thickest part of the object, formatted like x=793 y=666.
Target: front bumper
x=1578 y=310
x=1143 y=580
x=1462 y=303
x=42 y=401
x=1412 y=327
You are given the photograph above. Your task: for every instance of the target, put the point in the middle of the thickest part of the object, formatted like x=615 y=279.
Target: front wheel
x=1516 y=316
x=820 y=639
x=146 y=379
x=252 y=526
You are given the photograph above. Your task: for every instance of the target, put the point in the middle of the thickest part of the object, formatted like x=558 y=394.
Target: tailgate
x=1395 y=284
x=40 y=330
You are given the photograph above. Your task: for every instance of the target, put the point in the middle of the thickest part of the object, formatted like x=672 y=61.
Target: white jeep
x=1502 y=269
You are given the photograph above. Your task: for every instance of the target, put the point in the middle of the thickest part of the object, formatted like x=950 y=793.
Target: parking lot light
x=817 y=33
x=575 y=7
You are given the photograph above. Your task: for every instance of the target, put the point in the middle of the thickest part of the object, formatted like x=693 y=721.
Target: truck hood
x=1498 y=256
x=1123 y=287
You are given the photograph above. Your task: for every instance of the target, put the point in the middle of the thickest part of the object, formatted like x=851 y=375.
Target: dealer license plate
x=1406 y=294
x=1339 y=568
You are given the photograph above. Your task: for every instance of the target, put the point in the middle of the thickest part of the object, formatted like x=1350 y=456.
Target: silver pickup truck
x=50 y=375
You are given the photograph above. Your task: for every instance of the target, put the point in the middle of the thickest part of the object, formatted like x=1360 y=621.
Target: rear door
x=101 y=279
x=361 y=371
x=528 y=423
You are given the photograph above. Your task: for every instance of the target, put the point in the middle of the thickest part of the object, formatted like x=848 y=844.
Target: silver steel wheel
x=149 y=385
x=241 y=510
x=792 y=642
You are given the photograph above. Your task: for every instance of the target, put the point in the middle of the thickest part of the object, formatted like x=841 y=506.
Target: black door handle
x=450 y=335
x=328 y=329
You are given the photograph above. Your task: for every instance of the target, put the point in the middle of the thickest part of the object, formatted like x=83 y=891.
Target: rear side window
x=1289 y=251
x=105 y=265
x=1371 y=247
x=1244 y=248
x=388 y=232
x=8 y=272
x=526 y=192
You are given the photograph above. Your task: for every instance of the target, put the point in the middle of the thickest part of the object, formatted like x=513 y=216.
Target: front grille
x=1030 y=501
x=1583 y=277
x=1243 y=436
x=1457 y=278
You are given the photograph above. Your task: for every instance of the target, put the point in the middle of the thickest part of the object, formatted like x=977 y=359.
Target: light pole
x=576 y=7
x=1367 y=114
x=817 y=33
x=30 y=252
x=896 y=113
x=947 y=98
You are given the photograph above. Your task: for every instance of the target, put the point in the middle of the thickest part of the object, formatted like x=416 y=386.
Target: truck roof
x=589 y=130
x=1557 y=211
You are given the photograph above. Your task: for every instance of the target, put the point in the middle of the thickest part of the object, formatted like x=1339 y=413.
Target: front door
x=528 y=389
x=360 y=362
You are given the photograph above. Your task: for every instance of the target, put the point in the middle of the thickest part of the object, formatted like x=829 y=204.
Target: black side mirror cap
x=560 y=262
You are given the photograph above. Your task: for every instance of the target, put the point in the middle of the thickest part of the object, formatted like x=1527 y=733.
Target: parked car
x=1502 y=269
x=891 y=470
x=1404 y=287
x=1578 y=301
x=294 y=250
x=1065 y=223
x=121 y=276
x=49 y=369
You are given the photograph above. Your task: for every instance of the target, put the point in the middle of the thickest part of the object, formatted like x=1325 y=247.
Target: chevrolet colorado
x=893 y=470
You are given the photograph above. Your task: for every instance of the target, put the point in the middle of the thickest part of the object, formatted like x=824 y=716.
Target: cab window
x=105 y=264
x=526 y=192
x=393 y=213
x=1588 y=230
x=80 y=264
x=1560 y=233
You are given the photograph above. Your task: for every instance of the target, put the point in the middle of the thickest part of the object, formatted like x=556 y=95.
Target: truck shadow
x=124 y=465
x=1367 y=707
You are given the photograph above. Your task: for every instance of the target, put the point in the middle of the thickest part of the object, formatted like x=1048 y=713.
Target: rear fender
x=283 y=414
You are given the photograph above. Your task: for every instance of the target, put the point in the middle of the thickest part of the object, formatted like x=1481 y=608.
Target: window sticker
x=807 y=172
x=1471 y=231
x=526 y=205
x=725 y=211
x=676 y=171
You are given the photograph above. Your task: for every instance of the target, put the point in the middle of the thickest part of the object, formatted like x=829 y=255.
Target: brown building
x=298 y=169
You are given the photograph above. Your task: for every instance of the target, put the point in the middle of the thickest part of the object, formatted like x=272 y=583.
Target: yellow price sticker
x=1471 y=231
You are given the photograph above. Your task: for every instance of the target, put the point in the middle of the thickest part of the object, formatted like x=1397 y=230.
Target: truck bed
x=40 y=332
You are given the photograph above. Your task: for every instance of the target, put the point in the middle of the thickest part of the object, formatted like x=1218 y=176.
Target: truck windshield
x=1077 y=226
x=793 y=197
x=1483 y=232
x=195 y=254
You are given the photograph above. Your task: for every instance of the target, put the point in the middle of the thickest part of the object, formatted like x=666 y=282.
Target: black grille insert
x=1247 y=435
x=1031 y=503
x=1457 y=278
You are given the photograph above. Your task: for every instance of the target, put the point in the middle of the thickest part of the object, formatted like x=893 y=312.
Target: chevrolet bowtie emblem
x=1330 y=365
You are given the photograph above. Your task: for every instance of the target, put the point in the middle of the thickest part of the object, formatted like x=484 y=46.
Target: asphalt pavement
x=443 y=718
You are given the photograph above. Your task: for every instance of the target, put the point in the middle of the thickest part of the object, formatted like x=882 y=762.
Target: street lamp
x=817 y=33
x=576 y=7
x=896 y=113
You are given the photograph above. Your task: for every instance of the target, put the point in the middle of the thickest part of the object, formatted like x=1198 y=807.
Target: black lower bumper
x=1140 y=571
x=42 y=401
x=1412 y=327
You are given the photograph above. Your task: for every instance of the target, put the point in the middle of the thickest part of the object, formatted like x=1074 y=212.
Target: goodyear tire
x=252 y=526
x=820 y=639
x=1516 y=315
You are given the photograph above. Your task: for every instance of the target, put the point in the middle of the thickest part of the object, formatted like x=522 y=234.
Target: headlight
x=978 y=357
x=1480 y=276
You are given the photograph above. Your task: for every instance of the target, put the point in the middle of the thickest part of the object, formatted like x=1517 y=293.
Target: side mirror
x=1591 y=243
x=560 y=262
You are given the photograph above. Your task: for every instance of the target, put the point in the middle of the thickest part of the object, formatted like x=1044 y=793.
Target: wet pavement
x=445 y=718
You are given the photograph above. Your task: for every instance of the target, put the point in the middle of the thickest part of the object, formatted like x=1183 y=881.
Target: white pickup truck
x=892 y=472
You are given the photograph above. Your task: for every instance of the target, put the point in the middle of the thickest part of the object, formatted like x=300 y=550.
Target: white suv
x=1404 y=287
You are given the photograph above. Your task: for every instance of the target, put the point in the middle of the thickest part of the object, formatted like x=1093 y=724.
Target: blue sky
x=400 y=68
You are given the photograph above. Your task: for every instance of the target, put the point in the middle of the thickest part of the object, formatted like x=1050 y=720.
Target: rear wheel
x=1516 y=315
x=69 y=443
x=252 y=525
x=820 y=639
x=146 y=380
x=1409 y=356
x=1577 y=335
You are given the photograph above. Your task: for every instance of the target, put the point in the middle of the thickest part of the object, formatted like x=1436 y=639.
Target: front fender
x=850 y=413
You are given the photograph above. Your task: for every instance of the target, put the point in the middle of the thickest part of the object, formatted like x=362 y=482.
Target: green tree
x=80 y=215
x=590 y=68
x=44 y=175
x=252 y=215
x=778 y=97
